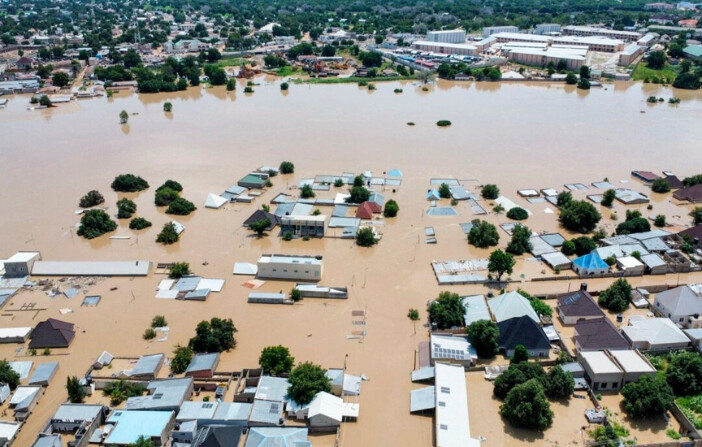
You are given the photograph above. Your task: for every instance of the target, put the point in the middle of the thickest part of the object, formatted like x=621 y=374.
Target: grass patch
x=233 y=62
x=692 y=407
x=673 y=434
x=352 y=80
x=285 y=71
x=669 y=72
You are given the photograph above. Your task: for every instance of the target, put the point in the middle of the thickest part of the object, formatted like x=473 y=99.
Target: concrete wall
x=290 y=271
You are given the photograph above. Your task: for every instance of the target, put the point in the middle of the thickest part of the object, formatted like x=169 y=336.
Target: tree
x=213 y=55
x=165 y=196
x=648 y=396
x=583 y=245
x=95 y=223
x=76 y=393
x=60 y=79
x=447 y=311
x=521 y=355
x=306 y=192
x=359 y=194
x=500 y=263
x=231 y=85
x=537 y=304
x=571 y=78
x=287 y=167
x=564 y=198
x=656 y=60
x=123 y=117
x=125 y=208
x=605 y=436
x=306 y=380
x=181 y=207
x=688 y=81
x=143 y=441
x=660 y=185
x=517 y=213
x=526 y=406
x=168 y=234
x=444 y=191
x=295 y=294
x=483 y=234
x=139 y=223
x=370 y=59
x=391 y=208
x=608 y=198
x=217 y=335
x=484 y=336
x=260 y=226
x=92 y=198
x=131 y=59
x=284 y=86
x=561 y=383
x=358 y=181
x=616 y=297
x=159 y=321
x=579 y=216
x=366 y=237
x=45 y=101
x=584 y=84
x=413 y=314
x=328 y=51
x=568 y=248
x=516 y=375
x=684 y=374
x=635 y=225
x=149 y=334
x=167 y=107
x=8 y=375
x=178 y=270
x=182 y=356
x=276 y=360
x=490 y=192
x=585 y=72
x=129 y=183
x=660 y=220
x=44 y=71
x=520 y=240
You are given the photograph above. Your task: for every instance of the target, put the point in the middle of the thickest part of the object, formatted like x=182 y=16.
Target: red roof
x=364 y=211
x=375 y=207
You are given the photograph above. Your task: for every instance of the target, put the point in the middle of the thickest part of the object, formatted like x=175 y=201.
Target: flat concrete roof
x=632 y=362
x=91 y=268
x=599 y=362
x=292 y=259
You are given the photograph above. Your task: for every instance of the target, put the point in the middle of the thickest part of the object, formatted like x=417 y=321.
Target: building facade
x=297 y=268
x=447 y=36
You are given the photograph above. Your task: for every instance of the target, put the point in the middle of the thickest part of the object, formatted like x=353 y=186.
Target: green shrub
x=92 y=198
x=181 y=207
x=490 y=192
x=443 y=123
x=517 y=213
x=168 y=234
x=178 y=270
x=139 y=223
x=125 y=208
x=95 y=223
x=391 y=208
x=365 y=237
x=129 y=183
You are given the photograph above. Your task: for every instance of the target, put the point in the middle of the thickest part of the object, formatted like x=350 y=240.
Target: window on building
x=443 y=427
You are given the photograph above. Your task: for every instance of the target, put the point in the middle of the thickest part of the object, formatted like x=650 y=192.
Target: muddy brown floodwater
x=515 y=135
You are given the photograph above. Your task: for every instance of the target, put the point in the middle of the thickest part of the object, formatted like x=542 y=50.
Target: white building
x=682 y=305
x=506 y=37
x=21 y=263
x=655 y=334
x=628 y=36
x=547 y=28
x=601 y=372
x=592 y=43
x=297 y=268
x=490 y=30
x=450 y=349
x=630 y=266
x=462 y=49
x=447 y=36
x=452 y=426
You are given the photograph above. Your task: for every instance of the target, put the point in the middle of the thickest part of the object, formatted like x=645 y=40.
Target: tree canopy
x=616 y=297
x=216 y=335
x=684 y=374
x=561 y=383
x=483 y=234
x=92 y=198
x=526 y=406
x=168 y=234
x=182 y=356
x=129 y=183
x=306 y=380
x=660 y=185
x=365 y=237
x=484 y=336
x=521 y=355
x=181 y=207
x=75 y=390
x=391 y=208
x=8 y=375
x=125 y=208
x=649 y=396
x=517 y=374
x=579 y=216
x=517 y=213
x=287 y=167
x=447 y=311
x=490 y=192
x=95 y=223
x=520 y=242
x=276 y=360
x=500 y=263
x=260 y=226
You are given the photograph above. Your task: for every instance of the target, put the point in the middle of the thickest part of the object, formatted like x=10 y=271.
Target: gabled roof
x=327 y=405
x=215 y=201
x=217 y=436
x=259 y=215
x=375 y=207
x=656 y=331
x=522 y=331
x=433 y=195
x=681 y=301
x=52 y=333
x=364 y=211
x=591 y=261
x=277 y=437
x=692 y=193
x=598 y=334
x=511 y=305
x=578 y=304
x=693 y=232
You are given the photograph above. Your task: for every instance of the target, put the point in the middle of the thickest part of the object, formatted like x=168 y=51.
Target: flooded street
x=518 y=136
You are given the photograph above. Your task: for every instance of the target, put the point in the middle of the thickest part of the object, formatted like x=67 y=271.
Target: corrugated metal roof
x=44 y=373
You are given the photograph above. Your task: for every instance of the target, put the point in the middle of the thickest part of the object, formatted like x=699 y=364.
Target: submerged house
x=525 y=332
x=52 y=333
x=590 y=264
x=297 y=268
x=301 y=226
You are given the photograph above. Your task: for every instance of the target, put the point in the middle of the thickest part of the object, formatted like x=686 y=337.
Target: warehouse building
x=627 y=36
x=297 y=268
x=490 y=30
x=461 y=49
x=573 y=57
x=447 y=36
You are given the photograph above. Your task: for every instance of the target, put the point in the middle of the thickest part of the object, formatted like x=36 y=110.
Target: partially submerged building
x=301 y=226
x=52 y=333
x=203 y=365
x=296 y=268
x=682 y=305
x=79 y=420
x=21 y=263
x=523 y=331
x=24 y=400
x=576 y=306
x=148 y=366
x=511 y=305
x=597 y=335
x=452 y=349
x=655 y=334
x=125 y=427
x=164 y=395
x=44 y=373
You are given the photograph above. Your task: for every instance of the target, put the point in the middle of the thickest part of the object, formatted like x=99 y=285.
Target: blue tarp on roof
x=591 y=261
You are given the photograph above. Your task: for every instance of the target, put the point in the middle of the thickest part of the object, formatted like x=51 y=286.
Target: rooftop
x=203 y=362
x=599 y=362
x=130 y=425
x=578 y=304
x=632 y=362
x=656 y=331
x=510 y=305
x=291 y=259
x=597 y=334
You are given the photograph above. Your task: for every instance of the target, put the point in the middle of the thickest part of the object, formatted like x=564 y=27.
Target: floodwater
x=515 y=135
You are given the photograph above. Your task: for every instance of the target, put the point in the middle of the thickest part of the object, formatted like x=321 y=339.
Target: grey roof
x=423 y=399
x=603 y=185
x=22 y=368
x=336 y=376
x=148 y=365
x=272 y=388
x=199 y=295
x=511 y=305
x=48 y=441
x=187 y=283
x=284 y=209
x=266 y=412
x=77 y=412
x=340 y=210
x=203 y=362
x=475 y=309
x=655 y=244
x=540 y=247
x=377 y=198
x=165 y=395
x=466 y=227
x=553 y=239
x=91 y=268
x=277 y=437
x=301 y=209
x=343 y=222
x=232 y=411
x=618 y=240
x=556 y=259
x=460 y=193
x=574 y=368
x=681 y=301
x=191 y=411
x=649 y=234
x=424 y=373
x=448 y=181
x=217 y=436
x=652 y=260
x=442 y=211
x=44 y=373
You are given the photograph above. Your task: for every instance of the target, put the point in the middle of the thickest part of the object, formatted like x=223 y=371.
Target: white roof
x=444 y=44
x=22 y=393
x=310 y=260
x=632 y=361
x=563 y=53
x=452 y=422
x=214 y=285
x=12 y=332
x=522 y=36
x=511 y=305
x=656 y=331
x=599 y=363
x=8 y=430
x=476 y=309
x=589 y=40
x=628 y=262
x=91 y=268
x=328 y=405
x=23 y=256
x=450 y=347
x=214 y=201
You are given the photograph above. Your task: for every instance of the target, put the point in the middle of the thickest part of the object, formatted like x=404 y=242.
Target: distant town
x=65 y=52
